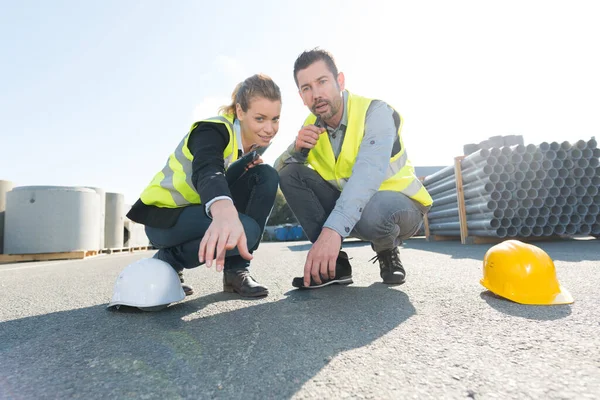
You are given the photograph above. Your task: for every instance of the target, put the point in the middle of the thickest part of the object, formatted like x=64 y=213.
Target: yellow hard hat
x=522 y=273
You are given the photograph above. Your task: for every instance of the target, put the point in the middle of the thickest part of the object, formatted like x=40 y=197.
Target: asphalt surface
x=440 y=335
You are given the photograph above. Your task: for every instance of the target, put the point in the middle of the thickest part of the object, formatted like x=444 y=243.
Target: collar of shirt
x=237 y=129
x=341 y=128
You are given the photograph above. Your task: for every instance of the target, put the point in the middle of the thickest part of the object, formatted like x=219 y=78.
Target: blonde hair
x=258 y=85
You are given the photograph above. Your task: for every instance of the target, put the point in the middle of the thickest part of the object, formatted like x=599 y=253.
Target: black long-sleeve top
x=206 y=143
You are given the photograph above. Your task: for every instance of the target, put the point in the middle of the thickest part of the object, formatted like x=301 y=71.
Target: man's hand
x=322 y=257
x=224 y=233
x=307 y=137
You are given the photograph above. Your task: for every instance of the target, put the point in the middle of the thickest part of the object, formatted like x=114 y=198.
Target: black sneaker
x=391 y=269
x=343 y=275
x=187 y=289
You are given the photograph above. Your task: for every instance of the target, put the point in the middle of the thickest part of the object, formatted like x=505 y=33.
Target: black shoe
x=391 y=269
x=343 y=275
x=187 y=289
x=240 y=282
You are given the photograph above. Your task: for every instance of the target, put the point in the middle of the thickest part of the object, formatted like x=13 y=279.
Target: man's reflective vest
x=400 y=176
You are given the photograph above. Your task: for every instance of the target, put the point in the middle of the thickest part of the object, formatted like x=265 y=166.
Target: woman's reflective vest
x=172 y=187
x=400 y=176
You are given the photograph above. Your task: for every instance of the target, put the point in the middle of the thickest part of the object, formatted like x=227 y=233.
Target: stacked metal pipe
x=520 y=191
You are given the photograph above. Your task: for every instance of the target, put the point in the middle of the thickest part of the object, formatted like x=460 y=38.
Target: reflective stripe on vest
x=172 y=187
x=169 y=175
x=399 y=176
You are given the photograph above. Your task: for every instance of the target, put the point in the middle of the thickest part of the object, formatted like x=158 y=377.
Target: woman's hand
x=254 y=163
x=224 y=233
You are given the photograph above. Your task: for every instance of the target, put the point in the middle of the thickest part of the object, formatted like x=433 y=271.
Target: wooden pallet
x=127 y=249
x=115 y=250
x=69 y=255
x=141 y=248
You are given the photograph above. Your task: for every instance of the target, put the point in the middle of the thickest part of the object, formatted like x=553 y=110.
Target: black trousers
x=253 y=195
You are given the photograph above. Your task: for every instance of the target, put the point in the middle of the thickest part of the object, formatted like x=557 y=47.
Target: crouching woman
x=196 y=212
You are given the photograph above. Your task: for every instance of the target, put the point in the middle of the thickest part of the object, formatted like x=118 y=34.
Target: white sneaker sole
x=346 y=280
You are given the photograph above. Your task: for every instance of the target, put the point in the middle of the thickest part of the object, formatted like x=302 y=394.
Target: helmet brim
x=141 y=307
x=562 y=297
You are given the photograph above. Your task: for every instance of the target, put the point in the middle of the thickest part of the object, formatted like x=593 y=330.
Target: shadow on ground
x=538 y=313
x=571 y=250
x=194 y=349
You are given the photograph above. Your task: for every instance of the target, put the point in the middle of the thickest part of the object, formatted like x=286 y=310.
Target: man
x=347 y=174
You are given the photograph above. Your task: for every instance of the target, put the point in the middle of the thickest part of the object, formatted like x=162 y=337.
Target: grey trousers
x=387 y=219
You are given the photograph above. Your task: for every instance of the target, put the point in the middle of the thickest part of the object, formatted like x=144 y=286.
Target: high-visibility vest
x=400 y=176
x=172 y=187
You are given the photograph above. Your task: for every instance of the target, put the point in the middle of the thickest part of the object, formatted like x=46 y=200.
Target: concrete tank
x=101 y=214
x=114 y=220
x=135 y=234
x=5 y=187
x=51 y=219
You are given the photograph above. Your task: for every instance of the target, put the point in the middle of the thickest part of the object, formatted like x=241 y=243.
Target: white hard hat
x=149 y=284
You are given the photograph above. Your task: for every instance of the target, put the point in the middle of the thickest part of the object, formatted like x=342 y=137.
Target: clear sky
x=99 y=93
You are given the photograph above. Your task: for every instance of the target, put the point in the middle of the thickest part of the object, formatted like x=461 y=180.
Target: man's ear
x=341 y=80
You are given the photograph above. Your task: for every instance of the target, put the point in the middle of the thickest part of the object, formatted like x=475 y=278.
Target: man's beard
x=327 y=115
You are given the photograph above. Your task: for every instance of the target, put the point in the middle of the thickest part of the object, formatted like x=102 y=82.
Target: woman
x=193 y=215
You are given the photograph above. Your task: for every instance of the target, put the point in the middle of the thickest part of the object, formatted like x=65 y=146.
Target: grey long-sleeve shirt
x=369 y=169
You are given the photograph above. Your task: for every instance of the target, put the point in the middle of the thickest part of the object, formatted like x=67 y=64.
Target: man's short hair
x=309 y=57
